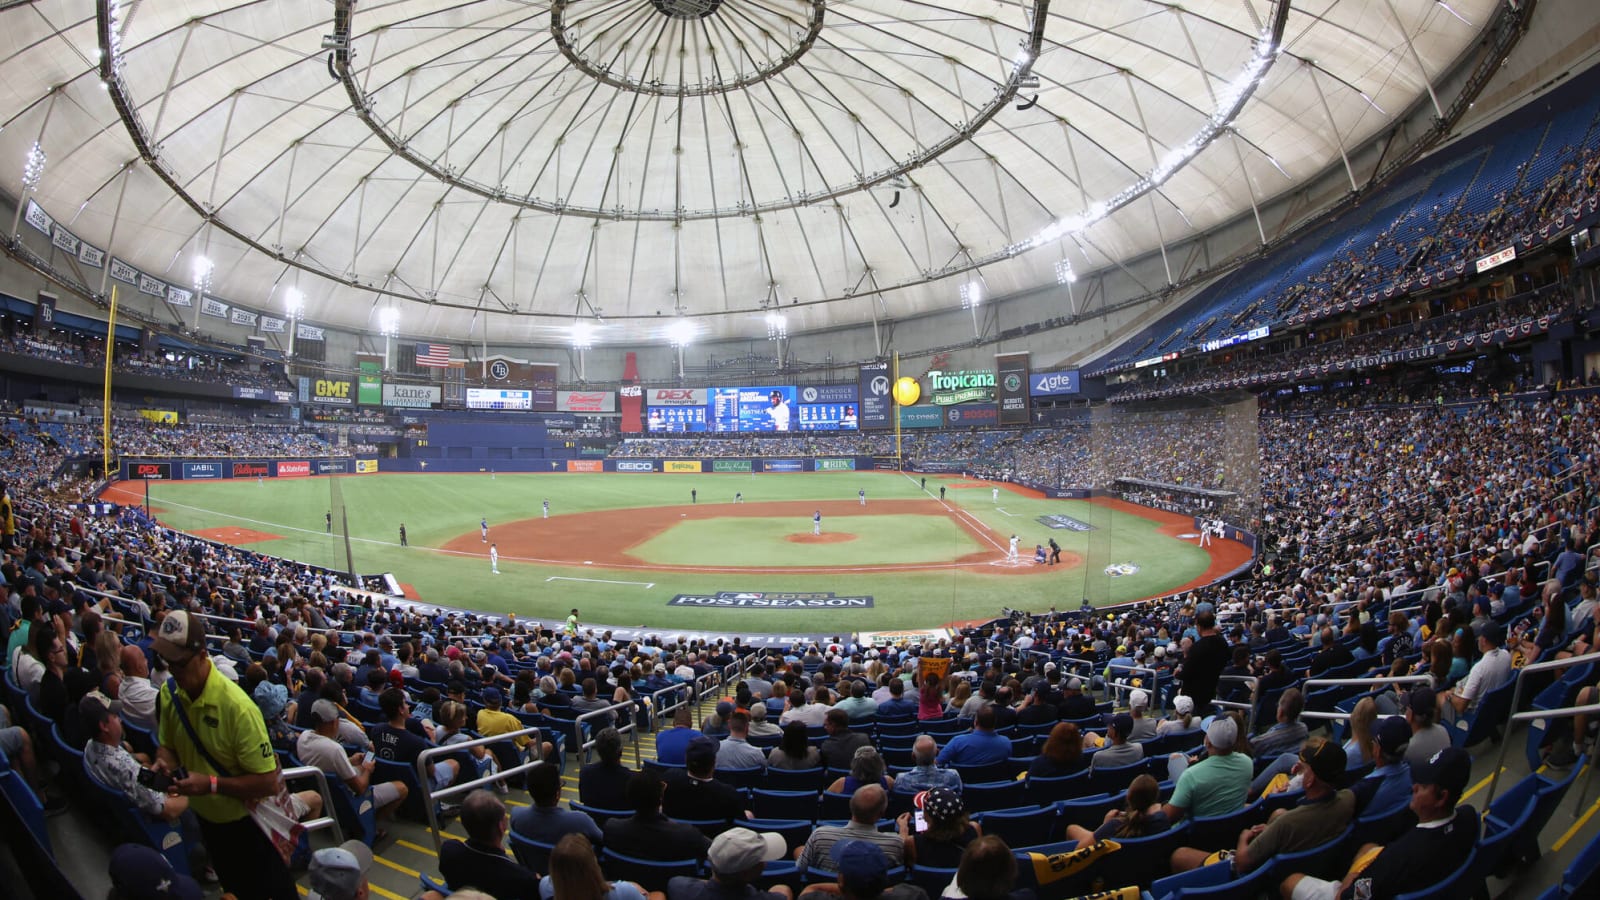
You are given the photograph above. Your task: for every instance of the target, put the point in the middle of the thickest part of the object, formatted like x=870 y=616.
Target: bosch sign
x=677 y=397
x=971 y=415
x=150 y=471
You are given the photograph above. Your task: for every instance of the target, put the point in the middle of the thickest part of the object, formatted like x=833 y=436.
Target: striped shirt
x=817 y=850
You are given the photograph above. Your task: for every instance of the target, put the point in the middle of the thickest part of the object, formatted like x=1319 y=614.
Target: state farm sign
x=676 y=397
x=586 y=401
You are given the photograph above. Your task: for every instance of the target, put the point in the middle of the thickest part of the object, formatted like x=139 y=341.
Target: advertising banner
x=828 y=393
x=636 y=465
x=150 y=471
x=731 y=465
x=874 y=388
x=332 y=390
x=675 y=397
x=251 y=470
x=366 y=467
x=159 y=416
x=1011 y=388
x=585 y=465
x=782 y=465
x=948 y=388
x=921 y=417
x=333 y=467
x=293 y=468
x=970 y=416
x=410 y=396
x=553 y=421
x=245 y=392
x=202 y=470
x=1052 y=384
x=680 y=465
x=835 y=465
x=369 y=381
x=282 y=396
x=586 y=401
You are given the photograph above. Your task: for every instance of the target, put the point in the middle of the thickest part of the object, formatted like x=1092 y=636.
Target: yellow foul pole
x=894 y=403
x=105 y=406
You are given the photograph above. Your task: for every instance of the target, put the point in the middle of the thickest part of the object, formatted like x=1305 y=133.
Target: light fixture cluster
x=971 y=295
x=33 y=168
x=294 y=302
x=582 y=334
x=203 y=268
x=389 y=321
x=1064 y=273
x=114 y=36
x=680 y=332
x=777 y=326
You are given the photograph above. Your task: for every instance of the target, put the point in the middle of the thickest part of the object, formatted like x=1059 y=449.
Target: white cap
x=1139 y=700
x=1184 y=705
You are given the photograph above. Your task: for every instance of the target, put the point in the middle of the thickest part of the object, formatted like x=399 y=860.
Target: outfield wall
x=182 y=469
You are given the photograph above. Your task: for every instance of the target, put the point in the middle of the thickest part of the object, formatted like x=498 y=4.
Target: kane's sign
x=773 y=600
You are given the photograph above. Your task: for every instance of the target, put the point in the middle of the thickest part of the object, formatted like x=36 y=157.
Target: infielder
x=816 y=522
x=738 y=497
x=547 y=507
x=862 y=495
x=483 y=530
x=994 y=494
x=494 y=559
x=1011 y=555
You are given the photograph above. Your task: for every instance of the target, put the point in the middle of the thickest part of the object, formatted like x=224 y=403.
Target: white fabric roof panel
x=761 y=135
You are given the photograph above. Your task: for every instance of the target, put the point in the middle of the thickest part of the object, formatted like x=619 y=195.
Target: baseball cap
x=740 y=849
x=337 y=872
x=325 y=711
x=725 y=709
x=181 y=634
x=1422 y=700
x=1494 y=633
x=1123 y=723
x=862 y=867
x=1392 y=735
x=660 y=669
x=940 y=804
x=1449 y=768
x=492 y=696
x=1326 y=760
x=1223 y=733
x=1138 y=700
x=1183 y=704
x=700 y=750
x=142 y=873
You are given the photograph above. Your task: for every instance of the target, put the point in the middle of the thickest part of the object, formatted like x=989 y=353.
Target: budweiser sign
x=586 y=401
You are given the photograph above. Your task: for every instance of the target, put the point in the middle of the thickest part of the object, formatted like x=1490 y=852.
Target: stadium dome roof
x=637 y=158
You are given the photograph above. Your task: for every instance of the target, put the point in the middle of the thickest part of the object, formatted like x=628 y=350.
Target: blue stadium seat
x=650 y=874
x=533 y=855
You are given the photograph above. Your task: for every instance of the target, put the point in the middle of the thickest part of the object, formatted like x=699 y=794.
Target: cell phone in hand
x=919 y=821
x=160 y=781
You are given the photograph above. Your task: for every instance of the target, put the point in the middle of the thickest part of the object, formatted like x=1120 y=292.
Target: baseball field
x=678 y=551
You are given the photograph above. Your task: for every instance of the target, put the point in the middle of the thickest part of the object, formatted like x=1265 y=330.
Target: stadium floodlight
x=680 y=332
x=777 y=326
x=1064 y=273
x=33 y=168
x=203 y=267
x=294 y=302
x=582 y=334
x=389 y=321
x=971 y=294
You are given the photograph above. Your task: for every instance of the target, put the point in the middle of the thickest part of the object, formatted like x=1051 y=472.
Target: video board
x=828 y=417
x=497 y=398
x=671 y=419
x=749 y=409
x=753 y=408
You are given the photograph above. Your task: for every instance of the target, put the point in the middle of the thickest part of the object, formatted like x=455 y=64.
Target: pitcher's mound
x=832 y=537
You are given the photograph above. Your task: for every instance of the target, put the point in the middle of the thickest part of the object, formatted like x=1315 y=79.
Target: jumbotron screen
x=753 y=408
x=670 y=419
x=828 y=417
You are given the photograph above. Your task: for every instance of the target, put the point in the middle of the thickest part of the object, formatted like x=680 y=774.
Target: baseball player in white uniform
x=1011 y=555
x=547 y=507
x=994 y=493
x=494 y=559
x=816 y=522
x=862 y=495
x=1205 y=532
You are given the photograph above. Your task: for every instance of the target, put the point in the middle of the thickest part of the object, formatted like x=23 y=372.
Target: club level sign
x=773 y=600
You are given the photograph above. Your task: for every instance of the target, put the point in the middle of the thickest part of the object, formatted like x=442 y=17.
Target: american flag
x=433 y=355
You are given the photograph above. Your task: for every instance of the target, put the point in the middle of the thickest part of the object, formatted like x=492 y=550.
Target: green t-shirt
x=234 y=732
x=1215 y=786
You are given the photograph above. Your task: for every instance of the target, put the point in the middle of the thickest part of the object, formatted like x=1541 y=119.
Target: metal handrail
x=329 y=818
x=1516 y=701
x=632 y=727
x=1153 y=690
x=1249 y=709
x=701 y=684
x=425 y=774
x=661 y=708
x=1529 y=716
x=1328 y=715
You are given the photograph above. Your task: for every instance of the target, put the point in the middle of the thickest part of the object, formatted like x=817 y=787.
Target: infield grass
x=439 y=508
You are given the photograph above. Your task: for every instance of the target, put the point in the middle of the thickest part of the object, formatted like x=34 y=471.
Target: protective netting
x=1203 y=460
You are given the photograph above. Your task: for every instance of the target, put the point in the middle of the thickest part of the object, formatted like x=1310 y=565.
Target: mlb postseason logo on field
x=773 y=600
x=1064 y=523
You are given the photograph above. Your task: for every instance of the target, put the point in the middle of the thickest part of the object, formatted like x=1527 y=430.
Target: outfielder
x=547 y=507
x=994 y=494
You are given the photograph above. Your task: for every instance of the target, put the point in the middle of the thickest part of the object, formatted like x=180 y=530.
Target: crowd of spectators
x=77 y=349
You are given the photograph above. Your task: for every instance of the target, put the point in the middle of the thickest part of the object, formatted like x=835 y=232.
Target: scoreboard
x=669 y=419
x=756 y=409
x=828 y=417
x=493 y=398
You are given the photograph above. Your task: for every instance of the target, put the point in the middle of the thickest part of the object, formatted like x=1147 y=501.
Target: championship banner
x=44 y=313
x=154 y=287
x=307 y=332
x=585 y=465
x=65 y=240
x=123 y=272
x=680 y=465
x=213 y=307
x=366 y=467
x=1011 y=387
x=873 y=385
x=242 y=317
x=586 y=401
x=270 y=325
x=91 y=256
x=38 y=218
x=177 y=296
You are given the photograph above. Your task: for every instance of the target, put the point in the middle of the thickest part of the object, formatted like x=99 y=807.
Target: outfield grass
x=438 y=508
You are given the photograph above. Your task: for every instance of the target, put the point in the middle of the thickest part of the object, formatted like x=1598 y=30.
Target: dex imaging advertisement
x=753 y=409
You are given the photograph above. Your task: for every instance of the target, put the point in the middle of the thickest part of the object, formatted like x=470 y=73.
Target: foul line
x=647 y=584
x=1002 y=511
x=983 y=530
